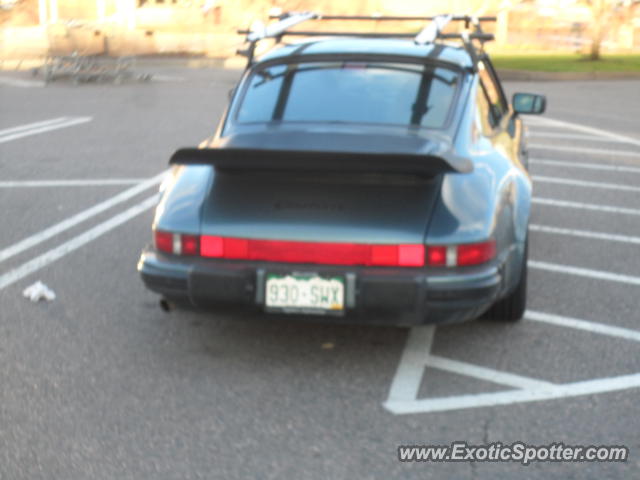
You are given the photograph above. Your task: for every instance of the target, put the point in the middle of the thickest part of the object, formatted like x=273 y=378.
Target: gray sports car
x=360 y=175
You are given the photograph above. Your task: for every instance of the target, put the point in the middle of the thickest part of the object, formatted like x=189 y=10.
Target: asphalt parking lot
x=102 y=384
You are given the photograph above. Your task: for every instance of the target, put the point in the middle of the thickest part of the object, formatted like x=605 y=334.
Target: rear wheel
x=512 y=307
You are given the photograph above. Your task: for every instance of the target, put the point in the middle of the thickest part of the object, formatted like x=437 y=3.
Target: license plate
x=305 y=293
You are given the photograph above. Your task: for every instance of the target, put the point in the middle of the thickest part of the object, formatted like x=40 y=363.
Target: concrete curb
x=529 y=76
x=235 y=63
x=159 y=61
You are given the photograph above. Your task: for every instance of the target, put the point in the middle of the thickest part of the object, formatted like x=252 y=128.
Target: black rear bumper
x=394 y=296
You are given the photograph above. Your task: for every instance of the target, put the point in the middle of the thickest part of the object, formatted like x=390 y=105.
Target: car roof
x=442 y=52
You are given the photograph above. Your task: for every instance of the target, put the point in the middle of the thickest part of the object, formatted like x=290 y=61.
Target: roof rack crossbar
x=483 y=37
x=276 y=30
x=382 y=18
x=308 y=33
x=432 y=31
x=279 y=28
x=429 y=34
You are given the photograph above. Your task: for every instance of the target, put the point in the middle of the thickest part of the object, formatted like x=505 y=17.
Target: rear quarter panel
x=492 y=201
x=182 y=197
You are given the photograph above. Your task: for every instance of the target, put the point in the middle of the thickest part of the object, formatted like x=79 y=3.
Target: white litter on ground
x=39 y=291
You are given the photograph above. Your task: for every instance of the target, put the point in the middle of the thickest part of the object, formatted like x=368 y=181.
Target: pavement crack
x=486 y=427
x=474 y=470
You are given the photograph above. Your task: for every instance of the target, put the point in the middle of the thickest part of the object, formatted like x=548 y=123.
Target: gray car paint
x=492 y=201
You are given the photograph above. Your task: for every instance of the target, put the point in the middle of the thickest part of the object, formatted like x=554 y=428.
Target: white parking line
x=570 y=136
x=583 y=128
x=70 y=222
x=409 y=403
x=31 y=129
x=591 y=151
x=484 y=373
x=29 y=126
x=406 y=381
x=589 y=166
x=554 y=202
x=60 y=251
x=527 y=389
x=18 y=82
x=584 y=183
x=585 y=234
x=587 y=326
x=567 y=390
x=584 y=272
x=70 y=183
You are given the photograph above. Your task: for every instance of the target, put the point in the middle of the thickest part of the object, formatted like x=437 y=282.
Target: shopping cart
x=79 y=51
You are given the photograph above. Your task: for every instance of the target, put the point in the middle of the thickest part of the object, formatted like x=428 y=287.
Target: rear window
x=350 y=92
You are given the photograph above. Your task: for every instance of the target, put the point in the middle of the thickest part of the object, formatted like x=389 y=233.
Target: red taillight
x=436 y=256
x=384 y=255
x=461 y=255
x=237 y=248
x=190 y=244
x=312 y=252
x=211 y=246
x=176 y=243
x=326 y=253
x=476 y=253
x=163 y=241
x=411 y=255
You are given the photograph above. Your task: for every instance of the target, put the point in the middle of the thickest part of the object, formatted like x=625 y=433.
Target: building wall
x=77 y=9
x=132 y=27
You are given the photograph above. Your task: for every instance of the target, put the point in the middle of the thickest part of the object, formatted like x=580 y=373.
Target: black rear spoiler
x=249 y=159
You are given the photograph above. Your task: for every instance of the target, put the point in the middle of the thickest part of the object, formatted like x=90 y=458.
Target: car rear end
x=316 y=199
x=321 y=242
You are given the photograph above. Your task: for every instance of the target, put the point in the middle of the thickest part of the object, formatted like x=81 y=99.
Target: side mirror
x=529 y=103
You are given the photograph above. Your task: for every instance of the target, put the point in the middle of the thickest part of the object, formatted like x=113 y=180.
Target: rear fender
x=493 y=201
x=183 y=194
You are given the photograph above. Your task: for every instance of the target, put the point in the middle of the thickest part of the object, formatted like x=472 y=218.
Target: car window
x=263 y=94
x=349 y=92
x=496 y=102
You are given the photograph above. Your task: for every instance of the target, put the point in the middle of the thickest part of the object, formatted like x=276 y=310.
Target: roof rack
x=432 y=32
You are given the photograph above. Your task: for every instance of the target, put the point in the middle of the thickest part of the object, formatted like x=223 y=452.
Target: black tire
x=512 y=307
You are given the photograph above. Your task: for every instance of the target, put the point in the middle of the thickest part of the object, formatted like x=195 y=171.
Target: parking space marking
x=567 y=390
x=584 y=183
x=554 y=202
x=583 y=128
x=584 y=272
x=570 y=136
x=406 y=382
x=526 y=389
x=60 y=251
x=70 y=183
x=585 y=234
x=18 y=82
x=40 y=127
x=588 y=166
x=594 y=114
x=590 y=151
x=585 y=325
x=29 y=126
x=74 y=220
x=484 y=373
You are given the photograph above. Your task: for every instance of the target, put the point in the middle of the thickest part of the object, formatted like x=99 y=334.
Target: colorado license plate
x=304 y=293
